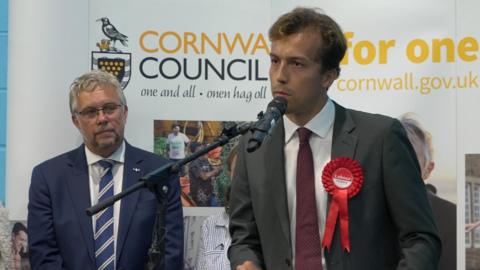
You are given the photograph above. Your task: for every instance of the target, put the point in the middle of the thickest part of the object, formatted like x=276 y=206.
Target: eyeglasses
x=107 y=109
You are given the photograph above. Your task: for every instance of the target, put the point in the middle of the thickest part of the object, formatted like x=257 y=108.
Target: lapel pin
x=136 y=169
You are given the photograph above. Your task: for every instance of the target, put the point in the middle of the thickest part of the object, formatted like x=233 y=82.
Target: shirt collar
x=118 y=156
x=222 y=220
x=320 y=124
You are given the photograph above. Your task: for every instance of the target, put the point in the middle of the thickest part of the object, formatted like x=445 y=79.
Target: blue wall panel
x=3 y=15
x=3 y=61
x=2 y=177
x=3 y=122
x=3 y=92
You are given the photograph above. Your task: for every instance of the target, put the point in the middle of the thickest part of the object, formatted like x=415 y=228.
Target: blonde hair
x=89 y=81
x=416 y=133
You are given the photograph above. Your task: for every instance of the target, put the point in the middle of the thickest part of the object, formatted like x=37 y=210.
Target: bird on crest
x=112 y=33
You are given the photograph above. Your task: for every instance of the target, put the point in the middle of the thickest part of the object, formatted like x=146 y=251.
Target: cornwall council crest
x=109 y=58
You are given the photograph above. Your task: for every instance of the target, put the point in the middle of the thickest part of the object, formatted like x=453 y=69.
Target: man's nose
x=281 y=73
x=101 y=116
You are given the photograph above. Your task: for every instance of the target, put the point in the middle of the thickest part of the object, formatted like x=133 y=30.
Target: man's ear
x=75 y=121
x=329 y=77
x=428 y=170
x=126 y=111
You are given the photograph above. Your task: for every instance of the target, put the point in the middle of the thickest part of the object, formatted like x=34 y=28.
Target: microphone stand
x=157 y=182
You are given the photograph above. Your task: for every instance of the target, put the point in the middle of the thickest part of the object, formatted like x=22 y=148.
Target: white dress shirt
x=214 y=243
x=95 y=173
x=321 y=144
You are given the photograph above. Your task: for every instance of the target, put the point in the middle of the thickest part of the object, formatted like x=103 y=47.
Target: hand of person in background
x=248 y=265
x=19 y=245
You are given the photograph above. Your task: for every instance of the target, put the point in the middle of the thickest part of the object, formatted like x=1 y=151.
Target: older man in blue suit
x=61 y=235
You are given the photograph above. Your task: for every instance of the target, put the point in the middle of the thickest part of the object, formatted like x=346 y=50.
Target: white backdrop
x=51 y=43
x=48 y=42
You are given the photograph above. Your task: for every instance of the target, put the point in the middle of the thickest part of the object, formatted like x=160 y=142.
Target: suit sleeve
x=408 y=204
x=245 y=244
x=44 y=252
x=174 y=228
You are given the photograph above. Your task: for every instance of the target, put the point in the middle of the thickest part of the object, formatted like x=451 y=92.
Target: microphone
x=236 y=128
x=263 y=127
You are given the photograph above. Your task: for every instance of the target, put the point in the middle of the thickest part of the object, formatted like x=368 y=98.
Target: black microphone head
x=262 y=128
x=280 y=103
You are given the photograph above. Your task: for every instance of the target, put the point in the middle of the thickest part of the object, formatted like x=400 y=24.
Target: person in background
x=202 y=173
x=61 y=235
x=444 y=211
x=176 y=143
x=19 y=253
x=215 y=238
x=187 y=201
x=215 y=160
x=5 y=238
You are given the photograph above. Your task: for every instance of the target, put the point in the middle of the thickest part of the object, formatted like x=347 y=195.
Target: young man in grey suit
x=61 y=235
x=277 y=221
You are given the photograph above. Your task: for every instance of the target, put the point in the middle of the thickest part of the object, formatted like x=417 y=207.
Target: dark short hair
x=303 y=19
x=193 y=146
x=18 y=227
x=175 y=125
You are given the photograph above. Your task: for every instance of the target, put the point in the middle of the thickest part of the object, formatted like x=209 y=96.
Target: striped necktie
x=104 y=238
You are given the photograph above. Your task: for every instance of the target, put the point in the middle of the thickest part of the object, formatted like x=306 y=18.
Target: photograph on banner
x=472 y=211
x=19 y=247
x=204 y=179
x=5 y=238
x=13 y=243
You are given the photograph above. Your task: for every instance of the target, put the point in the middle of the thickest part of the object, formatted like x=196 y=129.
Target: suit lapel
x=132 y=171
x=78 y=187
x=344 y=142
x=274 y=159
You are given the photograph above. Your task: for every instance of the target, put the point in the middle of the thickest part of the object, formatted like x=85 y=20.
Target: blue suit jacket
x=60 y=234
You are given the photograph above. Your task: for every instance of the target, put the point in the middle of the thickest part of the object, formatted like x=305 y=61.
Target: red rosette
x=342 y=178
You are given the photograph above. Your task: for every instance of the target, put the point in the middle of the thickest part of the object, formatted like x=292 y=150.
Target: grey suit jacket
x=391 y=223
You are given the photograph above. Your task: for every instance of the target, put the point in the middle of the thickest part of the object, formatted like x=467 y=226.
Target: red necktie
x=308 y=252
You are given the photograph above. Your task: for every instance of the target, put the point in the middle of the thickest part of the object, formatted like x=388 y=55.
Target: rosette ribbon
x=342 y=178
